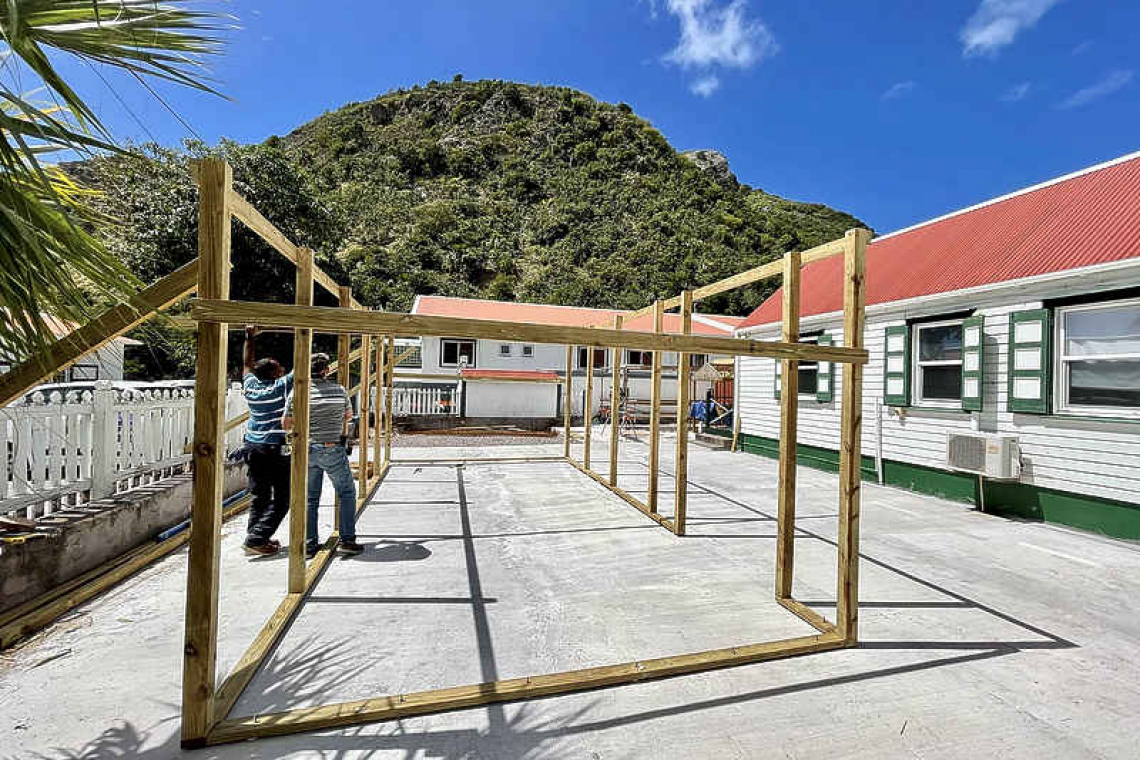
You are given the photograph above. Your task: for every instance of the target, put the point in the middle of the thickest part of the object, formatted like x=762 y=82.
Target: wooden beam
x=587 y=411
x=457 y=378
x=850 y=475
x=302 y=388
x=200 y=651
x=344 y=340
x=615 y=406
x=655 y=410
x=352 y=356
x=365 y=408
x=567 y=393
x=807 y=614
x=404 y=354
x=626 y=496
x=380 y=371
x=681 y=456
x=244 y=211
x=109 y=325
x=390 y=384
x=329 y=319
x=397 y=706
x=789 y=410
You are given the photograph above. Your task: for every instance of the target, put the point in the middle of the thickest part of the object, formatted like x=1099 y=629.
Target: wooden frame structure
x=206 y=706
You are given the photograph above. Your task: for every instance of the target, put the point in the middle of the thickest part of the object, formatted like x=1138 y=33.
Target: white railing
x=414 y=401
x=64 y=446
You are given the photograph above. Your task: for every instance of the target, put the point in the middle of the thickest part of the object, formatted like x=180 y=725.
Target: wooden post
x=200 y=651
x=615 y=404
x=365 y=408
x=587 y=409
x=655 y=409
x=344 y=342
x=854 y=281
x=381 y=421
x=302 y=382
x=389 y=384
x=789 y=408
x=568 y=388
x=681 y=485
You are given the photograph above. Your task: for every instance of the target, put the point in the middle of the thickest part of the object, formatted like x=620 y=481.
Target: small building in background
x=104 y=363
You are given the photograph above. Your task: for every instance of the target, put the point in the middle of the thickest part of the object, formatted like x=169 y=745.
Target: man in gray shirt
x=329 y=410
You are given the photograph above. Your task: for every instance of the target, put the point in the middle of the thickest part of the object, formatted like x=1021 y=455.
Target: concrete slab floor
x=982 y=637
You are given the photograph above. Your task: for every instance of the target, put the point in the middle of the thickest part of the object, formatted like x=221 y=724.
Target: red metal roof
x=509 y=374
x=1091 y=217
x=564 y=316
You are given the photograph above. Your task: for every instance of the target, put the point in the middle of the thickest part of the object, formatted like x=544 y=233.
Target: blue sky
x=894 y=110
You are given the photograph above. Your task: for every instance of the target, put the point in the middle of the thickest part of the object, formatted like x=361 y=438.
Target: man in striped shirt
x=265 y=385
x=329 y=410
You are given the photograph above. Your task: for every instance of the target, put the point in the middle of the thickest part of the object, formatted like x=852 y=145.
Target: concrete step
x=715 y=442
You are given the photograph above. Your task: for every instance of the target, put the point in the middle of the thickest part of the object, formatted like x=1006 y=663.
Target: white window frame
x=918 y=398
x=630 y=351
x=813 y=366
x=1060 y=369
x=603 y=352
x=474 y=351
x=527 y=352
x=505 y=350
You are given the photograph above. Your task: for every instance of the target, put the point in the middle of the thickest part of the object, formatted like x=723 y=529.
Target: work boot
x=350 y=548
x=261 y=549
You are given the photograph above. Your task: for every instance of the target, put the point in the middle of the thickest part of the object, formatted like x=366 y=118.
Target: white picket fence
x=67 y=446
x=415 y=401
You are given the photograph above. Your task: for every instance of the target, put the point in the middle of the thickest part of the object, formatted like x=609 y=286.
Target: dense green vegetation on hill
x=480 y=189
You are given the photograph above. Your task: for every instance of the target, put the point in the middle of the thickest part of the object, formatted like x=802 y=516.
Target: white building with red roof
x=1015 y=319
x=486 y=360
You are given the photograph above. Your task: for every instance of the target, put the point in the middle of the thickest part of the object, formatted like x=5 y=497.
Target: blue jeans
x=334 y=461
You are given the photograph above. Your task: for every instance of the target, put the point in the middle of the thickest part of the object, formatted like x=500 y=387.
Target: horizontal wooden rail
x=420 y=703
x=747 y=277
x=321 y=319
x=98 y=332
x=456 y=378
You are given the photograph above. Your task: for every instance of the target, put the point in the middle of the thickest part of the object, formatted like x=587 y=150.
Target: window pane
x=1104 y=382
x=450 y=352
x=940 y=344
x=809 y=381
x=1103 y=331
x=467 y=351
x=942 y=383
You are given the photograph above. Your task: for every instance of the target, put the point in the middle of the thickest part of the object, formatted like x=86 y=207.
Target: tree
x=52 y=260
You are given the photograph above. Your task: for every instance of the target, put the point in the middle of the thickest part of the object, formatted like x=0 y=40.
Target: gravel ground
x=440 y=440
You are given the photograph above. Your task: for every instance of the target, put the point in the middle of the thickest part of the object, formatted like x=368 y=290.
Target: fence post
x=104 y=440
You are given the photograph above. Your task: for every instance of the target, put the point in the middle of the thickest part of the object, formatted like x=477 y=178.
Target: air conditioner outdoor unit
x=997 y=457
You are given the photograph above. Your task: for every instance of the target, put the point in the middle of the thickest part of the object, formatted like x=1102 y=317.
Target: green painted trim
x=1019 y=500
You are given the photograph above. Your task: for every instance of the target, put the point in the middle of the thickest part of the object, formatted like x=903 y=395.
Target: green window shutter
x=778 y=378
x=896 y=366
x=824 y=374
x=973 y=355
x=1029 y=361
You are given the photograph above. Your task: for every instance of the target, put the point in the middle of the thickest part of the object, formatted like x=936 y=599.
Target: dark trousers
x=269 y=473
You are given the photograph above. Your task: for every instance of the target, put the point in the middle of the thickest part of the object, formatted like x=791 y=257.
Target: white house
x=486 y=360
x=1019 y=317
x=104 y=363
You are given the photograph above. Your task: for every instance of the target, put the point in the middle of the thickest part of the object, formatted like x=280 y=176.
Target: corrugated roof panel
x=1086 y=219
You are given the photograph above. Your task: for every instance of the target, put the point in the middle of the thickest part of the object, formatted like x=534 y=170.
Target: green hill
x=499 y=190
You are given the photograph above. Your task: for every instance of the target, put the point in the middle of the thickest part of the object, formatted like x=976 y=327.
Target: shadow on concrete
x=392 y=551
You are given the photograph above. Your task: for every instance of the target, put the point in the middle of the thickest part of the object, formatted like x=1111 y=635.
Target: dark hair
x=319 y=365
x=266 y=370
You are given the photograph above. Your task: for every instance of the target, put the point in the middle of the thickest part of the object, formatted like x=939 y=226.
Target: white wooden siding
x=1090 y=457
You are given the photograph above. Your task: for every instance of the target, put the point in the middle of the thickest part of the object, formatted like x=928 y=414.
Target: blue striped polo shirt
x=266 y=407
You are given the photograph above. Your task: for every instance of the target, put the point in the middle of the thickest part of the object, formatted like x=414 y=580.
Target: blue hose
x=175 y=530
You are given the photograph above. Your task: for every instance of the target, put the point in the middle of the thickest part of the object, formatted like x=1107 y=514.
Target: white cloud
x=1017 y=92
x=705 y=86
x=1108 y=84
x=996 y=23
x=719 y=36
x=898 y=89
x=1081 y=47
